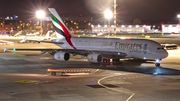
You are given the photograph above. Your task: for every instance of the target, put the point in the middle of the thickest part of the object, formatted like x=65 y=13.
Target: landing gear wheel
x=119 y=66
x=157 y=64
x=104 y=66
x=117 y=63
x=105 y=62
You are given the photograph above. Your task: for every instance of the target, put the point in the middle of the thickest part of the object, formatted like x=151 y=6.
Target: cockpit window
x=159 y=48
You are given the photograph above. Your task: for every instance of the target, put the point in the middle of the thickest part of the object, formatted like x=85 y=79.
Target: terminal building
x=171 y=28
x=121 y=28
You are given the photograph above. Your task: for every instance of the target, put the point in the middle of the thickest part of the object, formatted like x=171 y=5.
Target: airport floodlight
x=108 y=14
x=129 y=26
x=40 y=14
x=122 y=26
x=170 y=26
x=137 y=25
x=178 y=15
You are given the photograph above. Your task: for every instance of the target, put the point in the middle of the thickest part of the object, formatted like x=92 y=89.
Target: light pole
x=108 y=15
x=40 y=14
x=114 y=17
x=178 y=16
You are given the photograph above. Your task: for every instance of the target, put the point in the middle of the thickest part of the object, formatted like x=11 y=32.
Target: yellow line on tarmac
x=95 y=71
x=99 y=82
x=26 y=81
x=130 y=97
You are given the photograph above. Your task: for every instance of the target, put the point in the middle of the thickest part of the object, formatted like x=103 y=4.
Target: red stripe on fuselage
x=70 y=43
x=67 y=34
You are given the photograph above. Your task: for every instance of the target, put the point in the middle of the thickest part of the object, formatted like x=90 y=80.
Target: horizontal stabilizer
x=47 y=42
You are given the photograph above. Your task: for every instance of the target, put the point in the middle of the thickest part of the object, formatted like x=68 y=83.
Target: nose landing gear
x=157 y=63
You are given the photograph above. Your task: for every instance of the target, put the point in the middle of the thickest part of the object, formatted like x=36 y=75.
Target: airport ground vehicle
x=61 y=72
x=170 y=46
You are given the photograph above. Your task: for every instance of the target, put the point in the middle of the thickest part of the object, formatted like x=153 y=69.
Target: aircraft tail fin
x=61 y=30
x=4 y=49
x=48 y=35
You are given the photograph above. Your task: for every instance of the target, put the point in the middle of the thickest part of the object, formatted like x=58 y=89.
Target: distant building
x=6 y=27
x=122 y=28
x=170 y=28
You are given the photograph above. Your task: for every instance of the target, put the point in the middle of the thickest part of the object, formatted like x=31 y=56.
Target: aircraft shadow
x=135 y=66
x=155 y=70
x=126 y=65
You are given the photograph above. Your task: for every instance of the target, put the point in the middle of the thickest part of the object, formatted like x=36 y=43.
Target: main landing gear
x=107 y=62
x=116 y=62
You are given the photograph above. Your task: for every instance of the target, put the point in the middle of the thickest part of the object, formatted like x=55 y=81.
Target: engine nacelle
x=61 y=56
x=95 y=58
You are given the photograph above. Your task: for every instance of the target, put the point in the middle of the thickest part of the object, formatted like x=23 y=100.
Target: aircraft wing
x=106 y=54
x=44 y=41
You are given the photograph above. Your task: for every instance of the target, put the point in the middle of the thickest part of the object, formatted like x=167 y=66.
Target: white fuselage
x=135 y=48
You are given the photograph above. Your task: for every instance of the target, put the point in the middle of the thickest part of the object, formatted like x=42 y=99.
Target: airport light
x=170 y=26
x=41 y=15
x=108 y=15
x=114 y=17
x=130 y=26
x=178 y=16
x=122 y=26
x=137 y=25
x=89 y=27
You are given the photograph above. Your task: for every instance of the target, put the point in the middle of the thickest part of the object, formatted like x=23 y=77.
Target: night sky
x=126 y=9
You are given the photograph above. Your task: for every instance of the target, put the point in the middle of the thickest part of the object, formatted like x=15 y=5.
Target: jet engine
x=95 y=58
x=62 y=56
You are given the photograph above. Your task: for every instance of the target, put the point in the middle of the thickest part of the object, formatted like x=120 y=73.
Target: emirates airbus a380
x=101 y=50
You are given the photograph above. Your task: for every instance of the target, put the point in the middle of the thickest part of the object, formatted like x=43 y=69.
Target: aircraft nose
x=165 y=53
